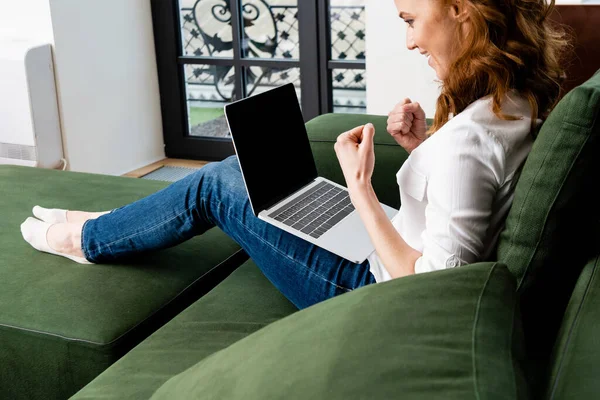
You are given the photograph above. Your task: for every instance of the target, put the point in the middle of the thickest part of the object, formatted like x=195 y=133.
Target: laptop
x=280 y=175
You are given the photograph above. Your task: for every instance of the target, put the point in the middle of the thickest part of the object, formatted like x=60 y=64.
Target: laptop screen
x=272 y=145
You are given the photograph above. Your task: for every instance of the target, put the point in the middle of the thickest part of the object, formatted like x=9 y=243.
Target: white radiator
x=29 y=121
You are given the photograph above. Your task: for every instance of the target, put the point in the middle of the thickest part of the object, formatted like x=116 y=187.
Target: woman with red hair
x=498 y=62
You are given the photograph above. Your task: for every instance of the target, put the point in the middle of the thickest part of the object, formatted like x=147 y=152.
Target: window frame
x=315 y=66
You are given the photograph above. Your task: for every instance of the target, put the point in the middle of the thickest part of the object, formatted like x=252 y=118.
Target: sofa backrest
x=575 y=361
x=550 y=229
x=323 y=132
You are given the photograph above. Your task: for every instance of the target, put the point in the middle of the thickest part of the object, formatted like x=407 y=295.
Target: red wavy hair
x=509 y=45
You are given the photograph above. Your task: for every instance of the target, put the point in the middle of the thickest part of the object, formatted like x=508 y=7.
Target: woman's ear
x=458 y=10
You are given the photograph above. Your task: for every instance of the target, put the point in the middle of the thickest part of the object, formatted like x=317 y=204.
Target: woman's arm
x=464 y=173
x=356 y=155
x=397 y=256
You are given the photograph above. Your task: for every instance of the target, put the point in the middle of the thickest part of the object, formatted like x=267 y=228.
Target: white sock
x=34 y=232
x=50 y=215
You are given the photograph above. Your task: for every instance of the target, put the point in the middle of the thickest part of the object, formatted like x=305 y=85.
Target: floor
x=167 y=162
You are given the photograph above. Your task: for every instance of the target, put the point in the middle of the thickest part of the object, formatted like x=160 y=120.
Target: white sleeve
x=462 y=182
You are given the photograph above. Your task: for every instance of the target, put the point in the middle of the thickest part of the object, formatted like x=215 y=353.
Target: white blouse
x=456 y=188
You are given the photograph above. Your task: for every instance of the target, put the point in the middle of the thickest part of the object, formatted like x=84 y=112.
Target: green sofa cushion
x=63 y=323
x=389 y=156
x=549 y=229
x=242 y=304
x=576 y=358
x=452 y=334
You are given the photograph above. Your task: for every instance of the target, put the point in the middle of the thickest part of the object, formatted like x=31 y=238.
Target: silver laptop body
x=275 y=157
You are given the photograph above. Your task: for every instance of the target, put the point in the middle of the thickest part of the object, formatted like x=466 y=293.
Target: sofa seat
x=63 y=323
x=242 y=304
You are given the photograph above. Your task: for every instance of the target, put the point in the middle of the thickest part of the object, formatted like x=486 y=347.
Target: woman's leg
x=216 y=196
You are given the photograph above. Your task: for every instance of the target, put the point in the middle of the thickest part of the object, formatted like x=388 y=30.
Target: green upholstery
x=63 y=323
x=576 y=358
x=551 y=226
x=449 y=334
x=452 y=334
x=245 y=302
x=323 y=132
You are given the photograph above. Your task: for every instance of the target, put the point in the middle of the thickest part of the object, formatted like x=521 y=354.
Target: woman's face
x=431 y=28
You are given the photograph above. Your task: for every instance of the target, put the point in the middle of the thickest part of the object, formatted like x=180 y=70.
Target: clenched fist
x=355 y=152
x=406 y=123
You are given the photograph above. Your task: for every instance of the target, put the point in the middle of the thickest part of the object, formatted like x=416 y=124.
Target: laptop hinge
x=289 y=197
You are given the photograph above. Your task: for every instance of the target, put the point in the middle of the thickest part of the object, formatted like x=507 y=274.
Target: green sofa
x=201 y=321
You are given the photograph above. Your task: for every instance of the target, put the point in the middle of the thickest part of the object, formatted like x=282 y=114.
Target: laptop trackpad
x=350 y=239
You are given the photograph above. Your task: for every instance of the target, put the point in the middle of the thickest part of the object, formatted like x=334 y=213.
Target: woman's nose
x=410 y=43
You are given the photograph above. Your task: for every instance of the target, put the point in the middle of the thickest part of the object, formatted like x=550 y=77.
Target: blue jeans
x=215 y=195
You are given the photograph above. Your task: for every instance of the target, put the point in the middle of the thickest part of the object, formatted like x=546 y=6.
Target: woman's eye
x=409 y=22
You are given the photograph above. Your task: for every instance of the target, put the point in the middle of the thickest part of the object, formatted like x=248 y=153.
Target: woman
x=498 y=64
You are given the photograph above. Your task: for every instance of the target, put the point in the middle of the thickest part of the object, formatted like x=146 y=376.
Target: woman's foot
x=59 y=216
x=62 y=239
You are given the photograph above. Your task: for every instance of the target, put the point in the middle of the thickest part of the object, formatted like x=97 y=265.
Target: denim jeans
x=215 y=195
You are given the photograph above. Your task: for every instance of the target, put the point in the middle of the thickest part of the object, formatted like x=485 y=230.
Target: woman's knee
x=225 y=170
x=218 y=176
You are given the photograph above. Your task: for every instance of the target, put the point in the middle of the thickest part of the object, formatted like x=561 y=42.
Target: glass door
x=269 y=32
x=213 y=52
x=347 y=59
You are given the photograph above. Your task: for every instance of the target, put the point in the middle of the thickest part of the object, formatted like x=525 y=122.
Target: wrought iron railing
x=269 y=31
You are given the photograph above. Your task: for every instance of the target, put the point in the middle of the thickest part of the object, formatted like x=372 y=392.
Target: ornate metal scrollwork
x=268 y=31
x=218 y=10
x=248 y=10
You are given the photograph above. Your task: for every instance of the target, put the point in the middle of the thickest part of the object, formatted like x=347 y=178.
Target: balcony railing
x=269 y=31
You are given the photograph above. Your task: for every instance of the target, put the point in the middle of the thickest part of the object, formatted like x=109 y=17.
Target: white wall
x=107 y=84
x=394 y=72
x=25 y=19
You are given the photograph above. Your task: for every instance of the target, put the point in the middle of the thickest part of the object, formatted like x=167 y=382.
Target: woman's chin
x=433 y=67
x=438 y=75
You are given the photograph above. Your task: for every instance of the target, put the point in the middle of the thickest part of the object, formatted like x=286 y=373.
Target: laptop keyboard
x=317 y=210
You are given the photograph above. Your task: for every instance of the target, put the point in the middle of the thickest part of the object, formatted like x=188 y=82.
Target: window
x=212 y=52
x=347 y=65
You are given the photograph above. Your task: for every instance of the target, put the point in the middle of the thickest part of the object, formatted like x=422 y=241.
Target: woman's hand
x=354 y=150
x=406 y=123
